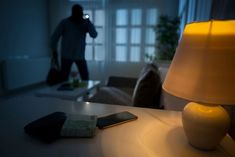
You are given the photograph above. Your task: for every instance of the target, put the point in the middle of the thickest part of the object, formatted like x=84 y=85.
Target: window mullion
x=143 y=34
x=129 y=35
x=93 y=40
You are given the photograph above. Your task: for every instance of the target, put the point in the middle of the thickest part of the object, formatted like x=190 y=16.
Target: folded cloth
x=77 y=125
x=59 y=124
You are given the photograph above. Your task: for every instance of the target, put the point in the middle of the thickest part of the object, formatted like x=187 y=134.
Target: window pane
x=121 y=35
x=88 y=53
x=99 y=18
x=89 y=39
x=150 y=36
x=136 y=16
x=152 y=16
x=135 y=35
x=150 y=51
x=121 y=17
x=89 y=12
x=100 y=38
x=99 y=53
x=135 y=54
x=121 y=53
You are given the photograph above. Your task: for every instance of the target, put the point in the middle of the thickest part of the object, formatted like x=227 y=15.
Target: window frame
x=143 y=28
x=109 y=34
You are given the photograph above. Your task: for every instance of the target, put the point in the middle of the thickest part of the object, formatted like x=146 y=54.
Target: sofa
x=145 y=91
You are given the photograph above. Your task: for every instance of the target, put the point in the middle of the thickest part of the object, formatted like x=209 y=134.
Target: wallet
x=59 y=124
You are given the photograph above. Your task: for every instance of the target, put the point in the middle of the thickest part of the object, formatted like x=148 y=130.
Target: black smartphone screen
x=115 y=119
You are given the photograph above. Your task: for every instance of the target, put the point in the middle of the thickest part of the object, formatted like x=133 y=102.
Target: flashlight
x=86 y=16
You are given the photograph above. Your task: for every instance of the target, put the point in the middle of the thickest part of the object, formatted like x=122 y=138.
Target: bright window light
x=121 y=35
x=136 y=16
x=121 y=17
x=99 y=53
x=151 y=17
x=121 y=53
x=135 y=54
x=135 y=35
x=100 y=38
x=99 y=18
x=88 y=52
x=150 y=36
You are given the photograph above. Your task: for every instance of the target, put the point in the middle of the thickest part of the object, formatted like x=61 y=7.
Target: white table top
x=156 y=133
x=68 y=94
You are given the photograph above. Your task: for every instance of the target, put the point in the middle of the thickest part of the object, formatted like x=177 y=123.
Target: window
x=124 y=34
x=95 y=47
x=134 y=34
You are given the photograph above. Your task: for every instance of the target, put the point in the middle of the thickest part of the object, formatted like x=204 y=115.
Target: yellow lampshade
x=203 y=68
x=203 y=71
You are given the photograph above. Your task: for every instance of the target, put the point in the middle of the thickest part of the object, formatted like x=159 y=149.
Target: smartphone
x=115 y=119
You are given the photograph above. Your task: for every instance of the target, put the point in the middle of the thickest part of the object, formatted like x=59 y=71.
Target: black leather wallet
x=46 y=128
x=59 y=124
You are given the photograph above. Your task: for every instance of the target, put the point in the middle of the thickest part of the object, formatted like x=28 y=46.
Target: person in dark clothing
x=72 y=31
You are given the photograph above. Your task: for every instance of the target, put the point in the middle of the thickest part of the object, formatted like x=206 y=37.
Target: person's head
x=77 y=11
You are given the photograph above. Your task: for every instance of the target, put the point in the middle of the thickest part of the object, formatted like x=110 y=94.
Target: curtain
x=223 y=9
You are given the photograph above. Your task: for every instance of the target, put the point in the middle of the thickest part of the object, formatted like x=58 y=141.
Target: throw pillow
x=147 y=91
x=147 y=67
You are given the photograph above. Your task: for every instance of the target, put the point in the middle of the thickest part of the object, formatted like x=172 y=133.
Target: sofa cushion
x=147 y=91
x=126 y=84
x=111 y=95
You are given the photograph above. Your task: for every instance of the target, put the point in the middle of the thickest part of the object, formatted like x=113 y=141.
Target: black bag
x=46 y=128
x=54 y=74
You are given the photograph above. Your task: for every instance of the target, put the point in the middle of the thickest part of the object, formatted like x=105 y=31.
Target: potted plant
x=167 y=37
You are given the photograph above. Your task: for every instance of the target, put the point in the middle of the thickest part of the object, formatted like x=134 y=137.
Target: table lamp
x=203 y=71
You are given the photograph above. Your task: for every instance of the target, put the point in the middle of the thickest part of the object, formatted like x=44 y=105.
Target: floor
x=30 y=90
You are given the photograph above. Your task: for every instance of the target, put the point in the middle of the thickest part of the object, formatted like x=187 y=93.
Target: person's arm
x=55 y=38
x=91 y=29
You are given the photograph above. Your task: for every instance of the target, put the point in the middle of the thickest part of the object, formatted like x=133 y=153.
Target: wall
x=24 y=29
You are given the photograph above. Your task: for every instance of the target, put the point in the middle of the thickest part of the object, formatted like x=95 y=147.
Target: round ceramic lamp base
x=205 y=125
